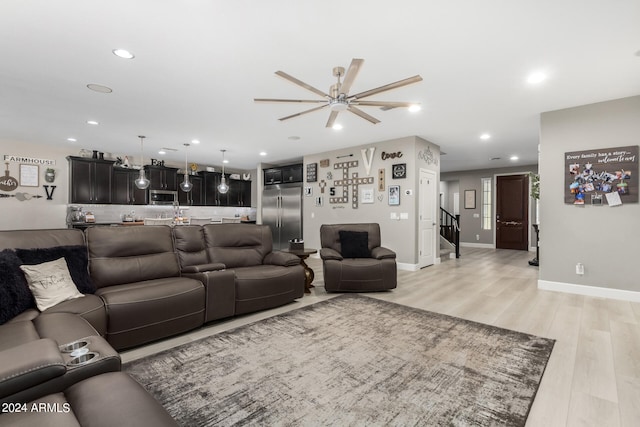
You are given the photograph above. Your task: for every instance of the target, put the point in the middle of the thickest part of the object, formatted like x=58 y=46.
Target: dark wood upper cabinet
x=193 y=197
x=162 y=178
x=239 y=193
x=283 y=174
x=125 y=191
x=90 y=180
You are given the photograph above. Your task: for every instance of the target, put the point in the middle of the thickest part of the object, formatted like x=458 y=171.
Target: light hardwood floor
x=593 y=376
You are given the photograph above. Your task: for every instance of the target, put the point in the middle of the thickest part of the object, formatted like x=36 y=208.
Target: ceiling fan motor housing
x=339 y=104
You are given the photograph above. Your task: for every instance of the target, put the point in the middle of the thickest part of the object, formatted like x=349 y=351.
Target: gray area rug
x=350 y=360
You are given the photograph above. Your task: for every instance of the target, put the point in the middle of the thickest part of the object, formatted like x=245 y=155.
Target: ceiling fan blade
x=303 y=112
x=301 y=83
x=351 y=74
x=332 y=118
x=313 y=101
x=390 y=86
x=389 y=104
x=359 y=112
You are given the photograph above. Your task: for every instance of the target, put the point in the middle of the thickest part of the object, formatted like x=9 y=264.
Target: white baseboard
x=477 y=245
x=591 y=291
x=407 y=266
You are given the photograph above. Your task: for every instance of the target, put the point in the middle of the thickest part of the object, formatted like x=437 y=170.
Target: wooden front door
x=512 y=212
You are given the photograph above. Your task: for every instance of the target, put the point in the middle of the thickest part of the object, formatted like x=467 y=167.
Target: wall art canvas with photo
x=601 y=171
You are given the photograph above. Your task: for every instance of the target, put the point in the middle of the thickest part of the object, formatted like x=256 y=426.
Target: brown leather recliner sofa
x=373 y=269
x=237 y=262
x=152 y=282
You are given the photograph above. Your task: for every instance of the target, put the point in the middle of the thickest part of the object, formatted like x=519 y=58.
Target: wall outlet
x=476 y=215
x=477 y=237
x=580 y=269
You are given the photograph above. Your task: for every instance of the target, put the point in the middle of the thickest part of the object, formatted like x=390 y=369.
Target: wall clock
x=399 y=171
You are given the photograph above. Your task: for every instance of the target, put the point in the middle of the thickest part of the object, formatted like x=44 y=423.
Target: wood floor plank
x=593 y=375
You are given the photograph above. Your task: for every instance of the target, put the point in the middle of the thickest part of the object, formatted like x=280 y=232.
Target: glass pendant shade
x=223 y=188
x=142 y=182
x=186 y=185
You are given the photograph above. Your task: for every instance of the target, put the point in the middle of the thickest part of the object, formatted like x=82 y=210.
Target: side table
x=308 y=272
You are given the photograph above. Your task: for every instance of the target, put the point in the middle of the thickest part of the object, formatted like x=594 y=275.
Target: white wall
x=36 y=212
x=605 y=239
x=398 y=235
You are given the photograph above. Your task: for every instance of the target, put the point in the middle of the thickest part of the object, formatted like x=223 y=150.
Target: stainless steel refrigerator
x=282 y=211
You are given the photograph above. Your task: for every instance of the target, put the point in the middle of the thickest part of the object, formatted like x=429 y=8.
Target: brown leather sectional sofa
x=151 y=282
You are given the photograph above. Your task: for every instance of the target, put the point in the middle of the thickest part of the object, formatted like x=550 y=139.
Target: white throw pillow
x=50 y=283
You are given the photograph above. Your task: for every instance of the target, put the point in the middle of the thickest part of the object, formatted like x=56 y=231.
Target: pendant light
x=186 y=185
x=223 y=188
x=142 y=182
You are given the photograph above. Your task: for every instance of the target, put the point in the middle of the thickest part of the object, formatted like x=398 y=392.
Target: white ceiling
x=200 y=63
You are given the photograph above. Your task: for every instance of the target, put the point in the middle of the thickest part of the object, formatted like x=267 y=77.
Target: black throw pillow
x=15 y=296
x=76 y=257
x=355 y=244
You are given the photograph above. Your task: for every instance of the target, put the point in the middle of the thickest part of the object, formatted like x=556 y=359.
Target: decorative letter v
x=367 y=158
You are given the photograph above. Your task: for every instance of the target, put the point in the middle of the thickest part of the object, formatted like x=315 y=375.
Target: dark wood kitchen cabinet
x=90 y=180
x=124 y=188
x=212 y=196
x=162 y=178
x=239 y=193
x=283 y=174
x=193 y=197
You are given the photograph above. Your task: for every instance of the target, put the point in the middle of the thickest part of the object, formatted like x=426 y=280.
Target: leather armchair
x=378 y=272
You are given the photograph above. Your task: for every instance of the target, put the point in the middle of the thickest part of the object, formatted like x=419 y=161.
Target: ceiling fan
x=338 y=98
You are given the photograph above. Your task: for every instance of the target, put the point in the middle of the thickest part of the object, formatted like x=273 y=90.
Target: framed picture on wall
x=29 y=175
x=469 y=199
x=394 y=195
x=366 y=195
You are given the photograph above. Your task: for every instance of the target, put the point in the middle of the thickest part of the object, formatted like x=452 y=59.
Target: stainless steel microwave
x=163 y=197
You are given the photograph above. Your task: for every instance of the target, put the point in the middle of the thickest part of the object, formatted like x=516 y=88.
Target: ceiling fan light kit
x=338 y=98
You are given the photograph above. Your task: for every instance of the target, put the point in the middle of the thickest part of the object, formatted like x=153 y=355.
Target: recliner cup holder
x=73 y=346
x=83 y=359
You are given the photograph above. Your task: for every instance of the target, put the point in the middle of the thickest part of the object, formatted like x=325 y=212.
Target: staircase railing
x=450 y=229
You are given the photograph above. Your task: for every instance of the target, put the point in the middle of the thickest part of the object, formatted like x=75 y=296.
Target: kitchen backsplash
x=115 y=213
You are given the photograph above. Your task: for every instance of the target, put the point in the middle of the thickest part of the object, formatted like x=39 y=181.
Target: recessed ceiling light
x=195 y=141
x=162 y=152
x=485 y=136
x=536 y=77
x=263 y=153
x=92 y=122
x=99 y=88
x=123 y=53
x=337 y=126
x=513 y=158
x=415 y=108
x=71 y=139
